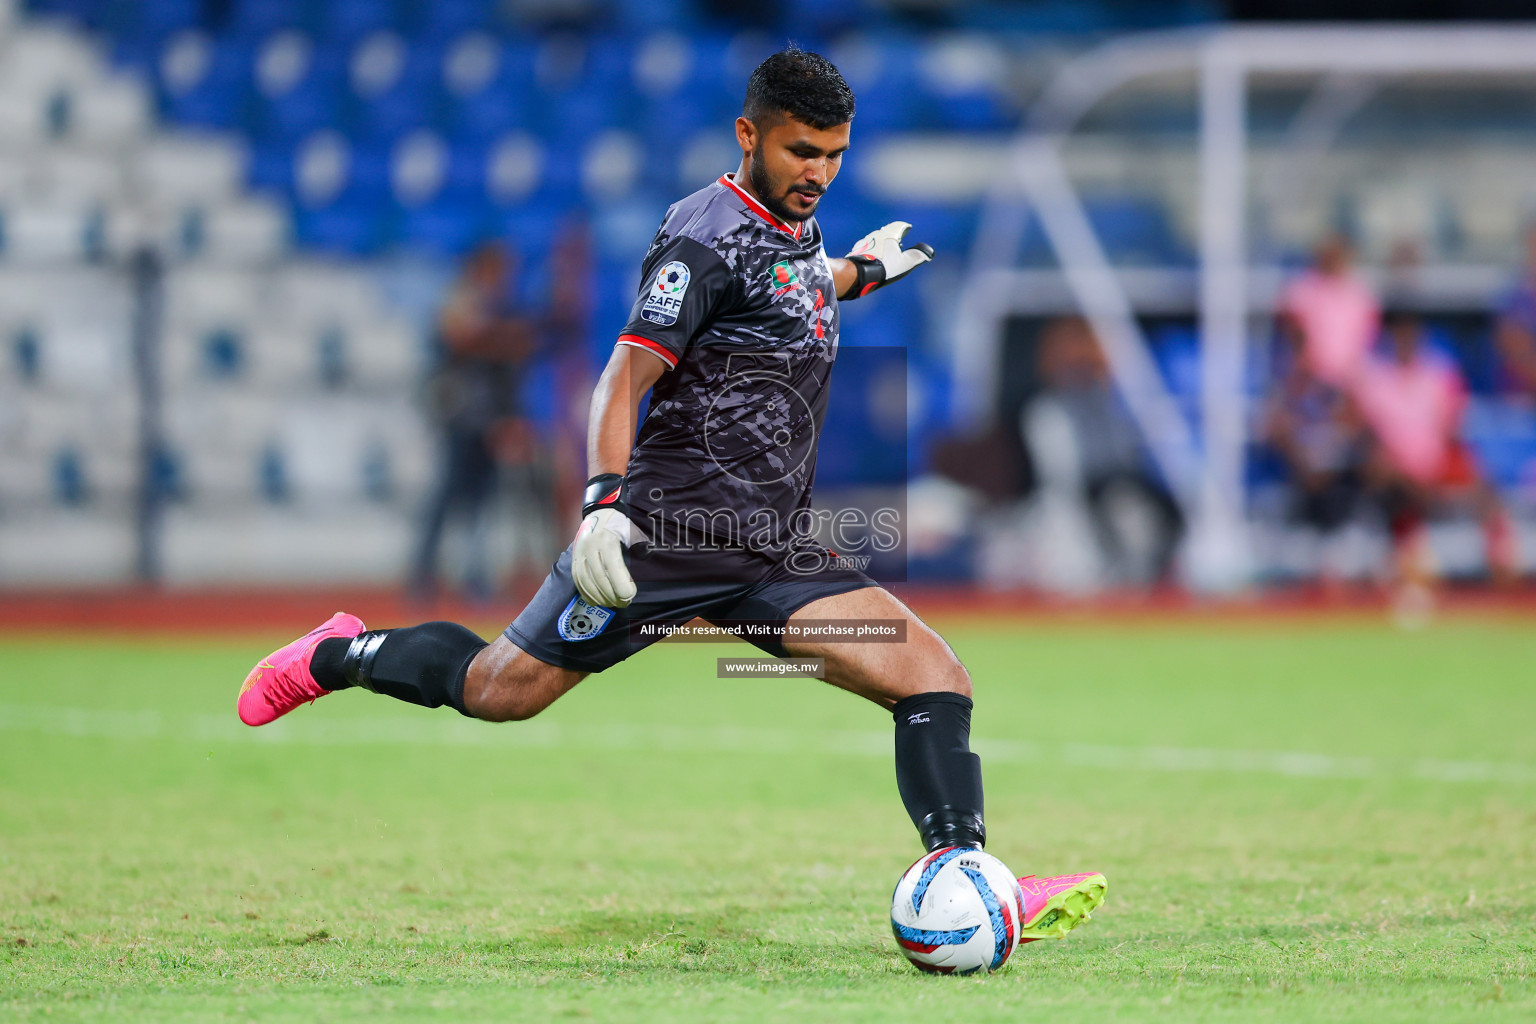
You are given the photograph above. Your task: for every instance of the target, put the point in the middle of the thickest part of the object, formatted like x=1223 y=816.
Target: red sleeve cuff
x=650 y=346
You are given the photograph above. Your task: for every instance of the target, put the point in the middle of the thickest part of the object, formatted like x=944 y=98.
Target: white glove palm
x=881 y=259
x=597 y=559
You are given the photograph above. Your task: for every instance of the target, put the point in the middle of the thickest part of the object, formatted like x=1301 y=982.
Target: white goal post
x=1206 y=473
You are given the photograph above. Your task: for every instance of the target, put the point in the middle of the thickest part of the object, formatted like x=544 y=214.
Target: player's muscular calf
x=507 y=684
x=883 y=672
x=928 y=693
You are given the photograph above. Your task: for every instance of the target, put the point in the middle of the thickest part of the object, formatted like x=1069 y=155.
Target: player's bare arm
x=611 y=423
x=597 y=556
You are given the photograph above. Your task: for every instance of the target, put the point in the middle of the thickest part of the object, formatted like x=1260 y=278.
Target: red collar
x=759 y=209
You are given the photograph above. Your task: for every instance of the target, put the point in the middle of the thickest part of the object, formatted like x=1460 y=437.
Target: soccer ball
x=957 y=911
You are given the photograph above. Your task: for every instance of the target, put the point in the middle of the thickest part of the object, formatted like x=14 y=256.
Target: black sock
x=423 y=665
x=328 y=664
x=938 y=776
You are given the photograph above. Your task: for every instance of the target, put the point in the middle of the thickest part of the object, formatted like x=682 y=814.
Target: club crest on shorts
x=664 y=301
x=582 y=621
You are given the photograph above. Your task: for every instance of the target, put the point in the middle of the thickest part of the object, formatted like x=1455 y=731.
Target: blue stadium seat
x=391 y=114
x=448 y=19
x=1502 y=434
x=255 y=19
x=443 y=228
x=508 y=102
x=347 y=228
x=346 y=21
x=622 y=231
x=667 y=121
x=887 y=97
x=223 y=99
x=414 y=101
x=826 y=18
x=85 y=12
x=138 y=30
x=465 y=177
x=645 y=15
x=848 y=216
x=529 y=228
x=562 y=185
x=271 y=168
x=312 y=104
x=949 y=228
x=609 y=60
x=981 y=110
x=582 y=110
x=159 y=17
x=613 y=296
x=371 y=180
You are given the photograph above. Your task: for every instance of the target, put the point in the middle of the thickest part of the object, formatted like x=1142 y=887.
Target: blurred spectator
x=1412 y=399
x=1134 y=518
x=485 y=343
x=1331 y=313
x=1515 y=332
x=1315 y=429
x=567 y=331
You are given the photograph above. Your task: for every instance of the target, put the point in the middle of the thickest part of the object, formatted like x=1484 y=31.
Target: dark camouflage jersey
x=742 y=308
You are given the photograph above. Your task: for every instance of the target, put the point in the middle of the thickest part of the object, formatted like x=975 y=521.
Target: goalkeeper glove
x=597 y=555
x=880 y=259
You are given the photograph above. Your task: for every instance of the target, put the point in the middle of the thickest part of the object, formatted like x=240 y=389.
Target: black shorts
x=560 y=628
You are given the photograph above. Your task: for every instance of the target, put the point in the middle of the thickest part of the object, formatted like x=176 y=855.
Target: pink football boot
x=1054 y=906
x=281 y=681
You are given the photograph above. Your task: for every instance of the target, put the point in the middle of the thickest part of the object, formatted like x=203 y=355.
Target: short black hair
x=803 y=85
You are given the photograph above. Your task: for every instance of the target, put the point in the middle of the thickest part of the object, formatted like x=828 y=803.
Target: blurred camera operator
x=485 y=344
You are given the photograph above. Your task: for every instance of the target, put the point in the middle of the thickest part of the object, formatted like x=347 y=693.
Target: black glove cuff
x=606 y=490
x=871 y=275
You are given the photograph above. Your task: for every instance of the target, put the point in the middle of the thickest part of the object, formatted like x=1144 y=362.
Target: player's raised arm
x=878 y=260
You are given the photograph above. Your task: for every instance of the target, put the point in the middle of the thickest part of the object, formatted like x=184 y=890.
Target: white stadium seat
x=129 y=227
x=15 y=180
x=113 y=112
x=206 y=296
x=42 y=235
x=181 y=171
x=38 y=61
x=77 y=177
x=251 y=231
x=385 y=353
x=319 y=293
x=67 y=547
x=23 y=119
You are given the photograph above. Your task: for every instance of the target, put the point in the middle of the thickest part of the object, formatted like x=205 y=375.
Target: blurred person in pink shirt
x=1412 y=399
x=1332 y=313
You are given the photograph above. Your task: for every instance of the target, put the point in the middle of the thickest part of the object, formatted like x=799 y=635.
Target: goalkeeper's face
x=790 y=164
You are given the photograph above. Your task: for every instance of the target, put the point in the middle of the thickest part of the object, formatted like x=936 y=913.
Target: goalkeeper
x=733 y=333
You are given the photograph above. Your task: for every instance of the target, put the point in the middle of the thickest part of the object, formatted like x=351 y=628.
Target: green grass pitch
x=1299 y=821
